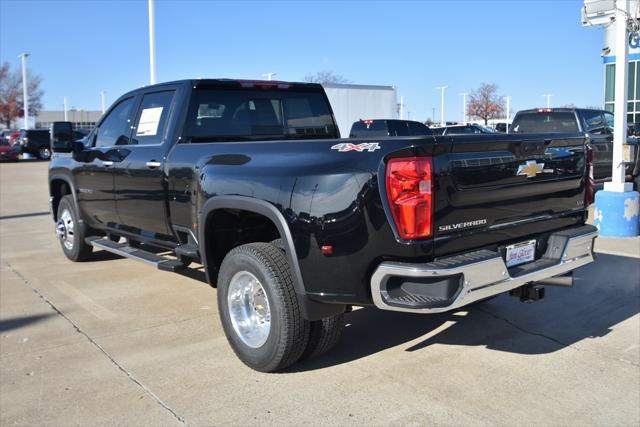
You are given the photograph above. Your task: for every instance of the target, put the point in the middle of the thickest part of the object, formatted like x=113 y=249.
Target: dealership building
x=85 y=119
x=609 y=59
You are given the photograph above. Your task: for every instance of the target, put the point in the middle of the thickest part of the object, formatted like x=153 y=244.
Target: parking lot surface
x=112 y=341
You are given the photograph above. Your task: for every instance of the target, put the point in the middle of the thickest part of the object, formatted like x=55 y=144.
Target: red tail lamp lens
x=409 y=190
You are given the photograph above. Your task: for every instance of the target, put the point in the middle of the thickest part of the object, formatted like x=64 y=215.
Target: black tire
x=44 y=153
x=289 y=331
x=323 y=336
x=78 y=250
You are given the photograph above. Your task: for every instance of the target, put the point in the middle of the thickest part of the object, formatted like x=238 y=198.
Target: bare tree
x=485 y=103
x=11 y=102
x=325 y=77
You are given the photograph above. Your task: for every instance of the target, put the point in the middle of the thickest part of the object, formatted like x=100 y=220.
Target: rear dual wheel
x=260 y=314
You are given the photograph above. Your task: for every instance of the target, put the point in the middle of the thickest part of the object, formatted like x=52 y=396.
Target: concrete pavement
x=112 y=341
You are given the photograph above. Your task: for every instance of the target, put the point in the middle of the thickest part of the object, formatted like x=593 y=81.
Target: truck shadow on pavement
x=605 y=293
x=20 y=322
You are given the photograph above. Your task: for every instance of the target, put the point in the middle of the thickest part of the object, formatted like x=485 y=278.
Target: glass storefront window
x=610 y=81
x=632 y=80
x=633 y=91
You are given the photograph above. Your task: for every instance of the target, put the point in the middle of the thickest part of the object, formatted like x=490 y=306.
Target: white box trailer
x=351 y=103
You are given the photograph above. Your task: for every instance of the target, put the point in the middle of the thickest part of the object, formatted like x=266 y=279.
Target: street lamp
x=464 y=107
x=152 y=43
x=508 y=100
x=548 y=96
x=269 y=76
x=102 y=93
x=25 y=96
x=64 y=105
x=442 y=89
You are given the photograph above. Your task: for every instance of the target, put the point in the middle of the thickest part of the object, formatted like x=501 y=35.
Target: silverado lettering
x=250 y=180
x=460 y=225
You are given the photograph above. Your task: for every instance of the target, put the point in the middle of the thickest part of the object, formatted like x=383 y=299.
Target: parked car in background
x=5 y=134
x=8 y=153
x=597 y=124
x=13 y=137
x=462 y=130
x=502 y=127
x=35 y=142
x=387 y=127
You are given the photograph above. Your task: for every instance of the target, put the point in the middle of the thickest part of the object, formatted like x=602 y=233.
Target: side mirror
x=61 y=134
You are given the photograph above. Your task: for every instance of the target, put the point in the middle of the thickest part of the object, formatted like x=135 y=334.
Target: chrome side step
x=123 y=249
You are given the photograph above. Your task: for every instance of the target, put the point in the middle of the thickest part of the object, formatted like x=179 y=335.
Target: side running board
x=123 y=249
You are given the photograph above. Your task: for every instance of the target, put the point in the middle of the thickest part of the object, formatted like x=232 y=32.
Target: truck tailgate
x=502 y=188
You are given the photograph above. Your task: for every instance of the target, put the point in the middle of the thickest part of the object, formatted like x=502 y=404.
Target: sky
x=527 y=48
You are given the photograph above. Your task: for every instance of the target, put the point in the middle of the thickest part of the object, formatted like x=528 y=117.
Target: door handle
x=153 y=164
x=107 y=163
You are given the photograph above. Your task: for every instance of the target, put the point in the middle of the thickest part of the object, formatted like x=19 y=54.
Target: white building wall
x=351 y=103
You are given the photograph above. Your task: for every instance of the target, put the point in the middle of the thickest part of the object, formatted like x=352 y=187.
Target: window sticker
x=149 y=121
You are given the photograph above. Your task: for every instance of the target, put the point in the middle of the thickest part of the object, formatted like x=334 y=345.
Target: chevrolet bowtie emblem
x=530 y=169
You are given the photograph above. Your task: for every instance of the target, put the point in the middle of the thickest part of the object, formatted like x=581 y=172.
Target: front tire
x=71 y=232
x=259 y=309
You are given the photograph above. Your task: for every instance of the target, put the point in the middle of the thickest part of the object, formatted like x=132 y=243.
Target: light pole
x=433 y=114
x=25 y=95
x=152 y=43
x=442 y=89
x=401 y=108
x=64 y=105
x=508 y=99
x=464 y=107
x=269 y=76
x=618 y=173
x=548 y=96
x=102 y=93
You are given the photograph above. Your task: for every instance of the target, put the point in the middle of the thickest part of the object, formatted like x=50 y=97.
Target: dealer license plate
x=520 y=253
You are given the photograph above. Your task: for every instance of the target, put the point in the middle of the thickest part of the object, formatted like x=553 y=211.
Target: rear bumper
x=456 y=281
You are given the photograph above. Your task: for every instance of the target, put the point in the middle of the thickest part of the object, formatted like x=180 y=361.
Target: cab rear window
x=237 y=115
x=545 y=122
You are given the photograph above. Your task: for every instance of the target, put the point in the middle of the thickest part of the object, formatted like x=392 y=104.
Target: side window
x=151 y=121
x=595 y=122
x=115 y=128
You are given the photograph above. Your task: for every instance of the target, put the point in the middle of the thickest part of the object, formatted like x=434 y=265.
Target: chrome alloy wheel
x=249 y=309
x=64 y=229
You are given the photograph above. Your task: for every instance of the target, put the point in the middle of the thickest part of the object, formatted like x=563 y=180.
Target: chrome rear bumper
x=478 y=275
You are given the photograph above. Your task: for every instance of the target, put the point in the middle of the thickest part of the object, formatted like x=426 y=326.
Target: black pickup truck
x=295 y=225
x=596 y=124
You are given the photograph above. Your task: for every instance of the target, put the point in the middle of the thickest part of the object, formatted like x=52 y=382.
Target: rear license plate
x=520 y=253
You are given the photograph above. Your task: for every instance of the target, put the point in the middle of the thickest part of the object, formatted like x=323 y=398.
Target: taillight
x=409 y=184
x=590 y=184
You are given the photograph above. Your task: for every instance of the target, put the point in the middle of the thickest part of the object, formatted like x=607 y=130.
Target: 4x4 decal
x=365 y=146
